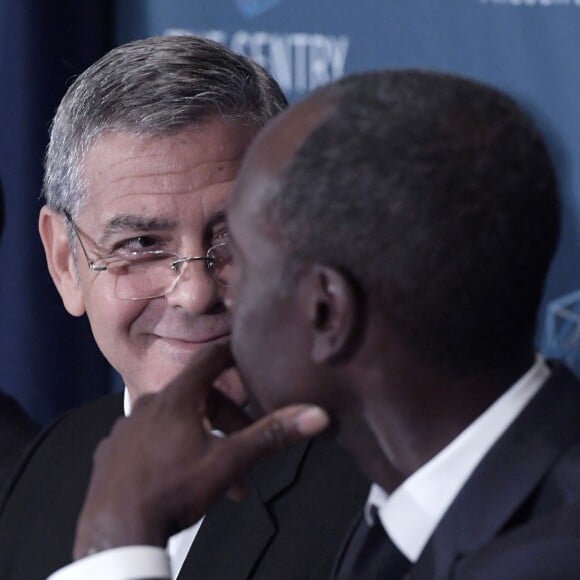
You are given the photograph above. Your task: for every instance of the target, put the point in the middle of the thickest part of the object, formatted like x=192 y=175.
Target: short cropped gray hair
x=155 y=86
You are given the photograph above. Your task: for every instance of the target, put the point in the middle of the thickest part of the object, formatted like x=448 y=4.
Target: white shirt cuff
x=125 y=563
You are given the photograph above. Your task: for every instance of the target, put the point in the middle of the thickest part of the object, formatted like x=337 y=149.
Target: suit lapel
x=507 y=476
x=234 y=535
x=277 y=473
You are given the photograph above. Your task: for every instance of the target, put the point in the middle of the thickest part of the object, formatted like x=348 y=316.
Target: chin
x=146 y=390
x=149 y=382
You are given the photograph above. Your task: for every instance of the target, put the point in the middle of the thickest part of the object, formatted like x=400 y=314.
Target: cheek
x=233 y=284
x=247 y=342
x=242 y=338
x=260 y=347
x=111 y=319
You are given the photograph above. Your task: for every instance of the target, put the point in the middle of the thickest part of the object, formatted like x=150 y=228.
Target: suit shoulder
x=40 y=510
x=14 y=418
x=68 y=441
x=87 y=424
x=545 y=547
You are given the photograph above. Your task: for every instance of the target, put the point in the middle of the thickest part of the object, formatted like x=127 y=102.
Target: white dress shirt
x=409 y=515
x=413 y=511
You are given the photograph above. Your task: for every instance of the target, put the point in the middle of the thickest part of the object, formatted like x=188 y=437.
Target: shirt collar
x=126 y=402
x=413 y=511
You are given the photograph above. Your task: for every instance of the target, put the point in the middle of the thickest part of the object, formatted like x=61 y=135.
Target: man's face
x=266 y=337
x=160 y=193
x=270 y=330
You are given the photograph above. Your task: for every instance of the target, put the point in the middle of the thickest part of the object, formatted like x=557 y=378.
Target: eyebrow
x=133 y=223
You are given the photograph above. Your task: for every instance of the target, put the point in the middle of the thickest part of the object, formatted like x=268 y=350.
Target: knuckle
x=143 y=402
x=276 y=434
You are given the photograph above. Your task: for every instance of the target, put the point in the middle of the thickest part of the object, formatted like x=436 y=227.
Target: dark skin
x=391 y=408
x=417 y=409
x=172 y=434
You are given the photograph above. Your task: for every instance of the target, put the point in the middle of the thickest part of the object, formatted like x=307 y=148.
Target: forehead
x=127 y=171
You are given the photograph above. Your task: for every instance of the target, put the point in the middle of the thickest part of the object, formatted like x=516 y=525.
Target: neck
x=411 y=412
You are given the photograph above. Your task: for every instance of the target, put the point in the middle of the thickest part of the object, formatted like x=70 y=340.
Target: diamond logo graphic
x=253 y=8
x=562 y=329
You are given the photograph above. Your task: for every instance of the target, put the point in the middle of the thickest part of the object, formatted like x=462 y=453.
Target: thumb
x=271 y=433
x=287 y=425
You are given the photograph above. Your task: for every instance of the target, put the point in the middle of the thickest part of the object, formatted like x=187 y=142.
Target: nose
x=194 y=290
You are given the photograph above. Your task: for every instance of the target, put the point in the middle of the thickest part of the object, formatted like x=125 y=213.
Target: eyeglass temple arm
x=91 y=263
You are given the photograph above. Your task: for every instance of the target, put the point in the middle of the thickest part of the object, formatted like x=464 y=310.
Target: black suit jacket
x=16 y=430
x=289 y=527
x=518 y=515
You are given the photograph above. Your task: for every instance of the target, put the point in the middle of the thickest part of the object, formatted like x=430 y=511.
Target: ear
x=335 y=314
x=60 y=260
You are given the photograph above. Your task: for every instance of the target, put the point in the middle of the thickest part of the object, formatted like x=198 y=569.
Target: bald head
x=433 y=193
x=273 y=151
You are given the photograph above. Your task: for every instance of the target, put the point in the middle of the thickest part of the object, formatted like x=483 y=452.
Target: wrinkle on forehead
x=155 y=181
x=158 y=165
x=176 y=185
x=200 y=159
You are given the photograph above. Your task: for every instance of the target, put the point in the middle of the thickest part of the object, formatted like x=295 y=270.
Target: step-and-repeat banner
x=530 y=48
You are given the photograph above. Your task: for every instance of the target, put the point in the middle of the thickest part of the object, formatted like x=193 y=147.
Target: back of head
x=437 y=196
x=151 y=87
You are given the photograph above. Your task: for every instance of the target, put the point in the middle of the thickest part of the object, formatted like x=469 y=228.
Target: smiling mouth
x=178 y=341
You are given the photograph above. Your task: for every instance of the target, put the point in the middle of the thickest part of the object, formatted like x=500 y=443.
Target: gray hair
x=155 y=86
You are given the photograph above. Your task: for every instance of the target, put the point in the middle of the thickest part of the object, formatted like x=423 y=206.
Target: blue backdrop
x=529 y=48
x=48 y=359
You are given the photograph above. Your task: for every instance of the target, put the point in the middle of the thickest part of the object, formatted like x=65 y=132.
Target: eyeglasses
x=148 y=274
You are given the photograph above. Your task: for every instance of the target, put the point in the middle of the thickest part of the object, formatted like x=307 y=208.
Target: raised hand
x=161 y=468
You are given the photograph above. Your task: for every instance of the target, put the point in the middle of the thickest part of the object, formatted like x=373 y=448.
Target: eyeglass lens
x=154 y=275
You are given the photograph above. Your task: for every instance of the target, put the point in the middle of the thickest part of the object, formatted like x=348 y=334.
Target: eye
x=219 y=237
x=137 y=244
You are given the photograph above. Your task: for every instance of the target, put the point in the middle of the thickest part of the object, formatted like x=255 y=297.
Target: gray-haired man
x=144 y=150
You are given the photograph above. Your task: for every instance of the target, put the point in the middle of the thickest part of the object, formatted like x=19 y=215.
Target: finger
x=239 y=452
x=204 y=367
x=286 y=426
x=224 y=414
x=144 y=400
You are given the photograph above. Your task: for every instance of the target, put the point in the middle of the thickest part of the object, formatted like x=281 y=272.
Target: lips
x=224 y=337
x=175 y=329
x=180 y=349
x=192 y=330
